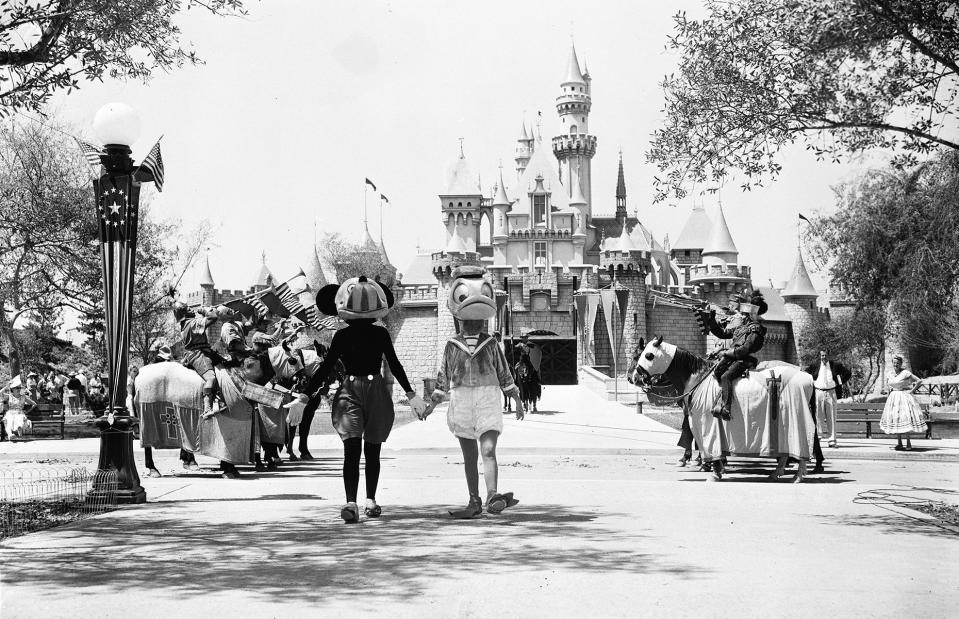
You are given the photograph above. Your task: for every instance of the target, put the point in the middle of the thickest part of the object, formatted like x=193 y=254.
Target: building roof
x=541 y=163
x=206 y=278
x=461 y=180
x=366 y=240
x=456 y=244
x=263 y=275
x=501 y=199
x=650 y=242
x=777 y=307
x=382 y=248
x=419 y=272
x=799 y=284
x=524 y=136
x=720 y=241
x=573 y=73
x=621 y=180
x=313 y=271
x=695 y=233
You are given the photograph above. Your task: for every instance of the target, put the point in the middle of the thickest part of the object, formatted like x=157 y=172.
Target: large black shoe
x=306 y=455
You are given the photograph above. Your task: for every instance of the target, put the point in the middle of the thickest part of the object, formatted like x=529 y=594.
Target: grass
x=22 y=517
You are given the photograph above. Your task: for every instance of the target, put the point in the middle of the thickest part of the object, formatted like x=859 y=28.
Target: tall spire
x=720 y=244
x=206 y=278
x=799 y=285
x=573 y=73
x=501 y=199
x=621 y=191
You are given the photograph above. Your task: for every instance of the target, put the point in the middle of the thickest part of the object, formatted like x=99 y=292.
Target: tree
x=893 y=245
x=842 y=77
x=48 y=236
x=858 y=340
x=352 y=259
x=50 y=252
x=49 y=45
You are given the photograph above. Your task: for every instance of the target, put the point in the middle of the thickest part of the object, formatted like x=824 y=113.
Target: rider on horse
x=747 y=334
x=198 y=354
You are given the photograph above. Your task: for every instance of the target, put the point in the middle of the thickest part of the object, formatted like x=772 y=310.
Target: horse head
x=653 y=360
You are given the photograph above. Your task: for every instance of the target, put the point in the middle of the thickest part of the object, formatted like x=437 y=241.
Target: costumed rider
x=474 y=372
x=363 y=405
x=747 y=333
x=198 y=353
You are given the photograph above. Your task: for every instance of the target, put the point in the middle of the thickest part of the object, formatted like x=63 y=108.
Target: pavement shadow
x=891 y=523
x=310 y=556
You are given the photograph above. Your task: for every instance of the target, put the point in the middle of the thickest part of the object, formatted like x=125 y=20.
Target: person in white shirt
x=829 y=378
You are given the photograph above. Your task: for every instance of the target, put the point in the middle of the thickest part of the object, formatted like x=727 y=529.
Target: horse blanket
x=756 y=428
x=169 y=403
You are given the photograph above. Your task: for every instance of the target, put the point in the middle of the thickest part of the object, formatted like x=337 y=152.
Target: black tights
x=352 y=449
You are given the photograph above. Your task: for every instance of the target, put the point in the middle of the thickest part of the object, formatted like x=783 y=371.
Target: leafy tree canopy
x=50 y=45
x=842 y=76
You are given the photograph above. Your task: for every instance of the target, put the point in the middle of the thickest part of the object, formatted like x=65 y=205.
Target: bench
x=47 y=414
x=869 y=413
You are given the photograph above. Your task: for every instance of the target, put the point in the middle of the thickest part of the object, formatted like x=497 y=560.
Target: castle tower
x=575 y=148
x=799 y=297
x=578 y=203
x=627 y=259
x=206 y=284
x=501 y=206
x=524 y=150
x=313 y=271
x=264 y=278
x=460 y=202
x=621 y=191
x=687 y=251
x=719 y=275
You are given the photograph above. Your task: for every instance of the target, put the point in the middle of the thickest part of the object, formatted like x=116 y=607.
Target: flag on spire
x=153 y=163
x=370 y=183
x=804 y=218
x=384 y=198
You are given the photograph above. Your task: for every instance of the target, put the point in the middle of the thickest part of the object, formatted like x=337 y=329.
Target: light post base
x=116 y=453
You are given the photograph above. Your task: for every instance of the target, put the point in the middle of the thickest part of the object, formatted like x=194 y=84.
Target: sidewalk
x=570 y=420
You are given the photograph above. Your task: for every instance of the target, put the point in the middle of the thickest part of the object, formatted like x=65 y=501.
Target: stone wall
x=677 y=325
x=415 y=341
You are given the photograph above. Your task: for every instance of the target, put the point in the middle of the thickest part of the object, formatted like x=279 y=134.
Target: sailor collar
x=481 y=342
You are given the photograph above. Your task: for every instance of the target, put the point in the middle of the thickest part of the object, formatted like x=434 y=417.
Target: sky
x=297 y=103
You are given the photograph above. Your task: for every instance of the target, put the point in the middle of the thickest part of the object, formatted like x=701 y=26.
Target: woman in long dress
x=14 y=418
x=902 y=413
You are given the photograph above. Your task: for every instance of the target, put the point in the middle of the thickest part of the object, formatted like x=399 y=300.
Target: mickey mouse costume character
x=474 y=372
x=362 y=406
x=747 y=334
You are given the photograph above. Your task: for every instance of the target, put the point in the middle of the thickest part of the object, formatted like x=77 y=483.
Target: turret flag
x=370 y=183
x=804 y=218
x=384 y=198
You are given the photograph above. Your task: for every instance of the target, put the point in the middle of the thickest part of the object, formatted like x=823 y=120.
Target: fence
x=40 y=498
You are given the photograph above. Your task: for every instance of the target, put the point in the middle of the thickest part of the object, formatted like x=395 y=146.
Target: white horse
x=771 y=414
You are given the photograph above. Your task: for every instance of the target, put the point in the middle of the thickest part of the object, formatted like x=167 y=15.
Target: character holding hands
x=472 y=374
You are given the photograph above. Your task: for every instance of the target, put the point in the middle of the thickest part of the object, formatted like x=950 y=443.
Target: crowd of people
x=79 y=391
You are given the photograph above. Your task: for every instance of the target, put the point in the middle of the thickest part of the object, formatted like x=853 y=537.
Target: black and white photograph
x=425 y=308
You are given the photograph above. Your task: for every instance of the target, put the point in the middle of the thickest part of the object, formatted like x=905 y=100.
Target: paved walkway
x=606 y=525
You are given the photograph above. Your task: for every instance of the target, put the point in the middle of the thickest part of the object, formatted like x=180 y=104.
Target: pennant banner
x=622 y=302
x=608 y=299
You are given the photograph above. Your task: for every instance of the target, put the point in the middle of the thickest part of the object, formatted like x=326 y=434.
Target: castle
x=548 y=242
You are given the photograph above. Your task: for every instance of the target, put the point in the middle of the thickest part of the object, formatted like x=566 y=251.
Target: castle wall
x=415 y=340
x=778 y=344
x=677 y=325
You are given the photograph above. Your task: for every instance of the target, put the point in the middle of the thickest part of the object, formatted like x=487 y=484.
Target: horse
x=527 y=380
x=772 y=414
x=231 y=436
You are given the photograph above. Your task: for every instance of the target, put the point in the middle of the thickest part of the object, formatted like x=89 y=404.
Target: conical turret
x=720 y=248
x=799 y=284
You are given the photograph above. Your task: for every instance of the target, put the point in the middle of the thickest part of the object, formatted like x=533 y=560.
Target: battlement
x=579 y=144
x=444 y=263
x=700 y=272
x=212 y=296
x=625 y=262
x=690 y=291
x=416 y=295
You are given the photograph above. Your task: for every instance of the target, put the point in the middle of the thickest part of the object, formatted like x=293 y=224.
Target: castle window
x=459 y=204
x=451 y=205
x=572 y=130
x=539 y=210
x=539 y=252
x=686 y=253
x=469 y=205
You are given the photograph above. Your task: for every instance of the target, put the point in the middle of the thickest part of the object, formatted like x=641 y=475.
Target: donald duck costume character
x=473 y=373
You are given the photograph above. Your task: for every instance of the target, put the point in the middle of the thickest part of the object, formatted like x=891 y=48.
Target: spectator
x=830 y=379
x=97 y=399
x=14 y=418
x=71 y=395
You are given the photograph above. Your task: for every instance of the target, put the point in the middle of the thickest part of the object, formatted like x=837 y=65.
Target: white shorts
x=473 y=411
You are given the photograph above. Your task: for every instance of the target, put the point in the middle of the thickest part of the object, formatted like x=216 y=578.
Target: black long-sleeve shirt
x=361 y=346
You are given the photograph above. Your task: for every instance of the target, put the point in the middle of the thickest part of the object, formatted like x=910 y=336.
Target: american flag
x=288 y=298
x=153 y=163
x=91 y=153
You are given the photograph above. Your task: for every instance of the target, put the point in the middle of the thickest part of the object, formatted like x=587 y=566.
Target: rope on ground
x=886 y=498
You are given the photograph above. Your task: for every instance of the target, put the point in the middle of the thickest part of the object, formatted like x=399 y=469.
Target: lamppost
x=117 y=195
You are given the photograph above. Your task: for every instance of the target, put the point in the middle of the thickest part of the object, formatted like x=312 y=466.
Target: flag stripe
x=153 y=163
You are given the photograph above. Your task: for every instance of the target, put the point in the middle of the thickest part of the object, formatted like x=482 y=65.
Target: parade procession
x=392 y=321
